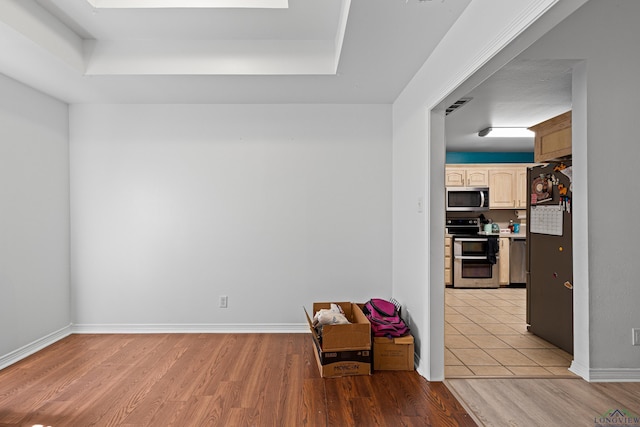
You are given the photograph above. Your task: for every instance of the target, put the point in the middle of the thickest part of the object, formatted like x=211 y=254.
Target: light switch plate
x=636 y=336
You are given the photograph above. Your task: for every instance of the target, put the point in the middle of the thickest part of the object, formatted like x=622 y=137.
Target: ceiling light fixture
x=506 y=132
x=205 y=4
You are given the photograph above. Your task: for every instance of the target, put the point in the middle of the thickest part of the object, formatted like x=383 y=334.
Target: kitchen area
x=508 y=262
x=486 y=225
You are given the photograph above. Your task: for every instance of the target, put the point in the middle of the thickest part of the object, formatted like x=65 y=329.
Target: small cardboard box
x=393 y=354
x=343 y=349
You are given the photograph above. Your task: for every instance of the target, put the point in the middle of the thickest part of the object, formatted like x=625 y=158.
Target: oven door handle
x=470 y=239
x=469 y=257
x=472 y=257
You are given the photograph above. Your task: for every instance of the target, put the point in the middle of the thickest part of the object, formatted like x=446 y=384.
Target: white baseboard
x=606 y=375
x=39 y=344
x=614 y=375
x=33 y=347
x=580 y=370
x=202 y=328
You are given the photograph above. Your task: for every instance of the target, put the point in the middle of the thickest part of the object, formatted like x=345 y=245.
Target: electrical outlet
x=223 y=301
x=636 y=336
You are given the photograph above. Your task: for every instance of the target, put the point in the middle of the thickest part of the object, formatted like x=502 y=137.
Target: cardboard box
x=343 y=349
x=342 y=363
x=393 y=354
x=353 y=336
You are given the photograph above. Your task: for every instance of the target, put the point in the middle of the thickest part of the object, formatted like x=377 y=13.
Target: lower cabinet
x=503 y=261
x=448 y=277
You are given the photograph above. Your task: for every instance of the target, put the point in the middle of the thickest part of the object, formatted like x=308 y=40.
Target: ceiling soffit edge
x=235 y=57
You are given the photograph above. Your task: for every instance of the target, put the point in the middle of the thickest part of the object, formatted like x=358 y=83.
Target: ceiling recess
x=204 y=4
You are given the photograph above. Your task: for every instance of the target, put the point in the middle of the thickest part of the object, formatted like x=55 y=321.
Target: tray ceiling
x=339 y=51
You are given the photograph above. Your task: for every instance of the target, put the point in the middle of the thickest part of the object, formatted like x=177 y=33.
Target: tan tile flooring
x=486 y=336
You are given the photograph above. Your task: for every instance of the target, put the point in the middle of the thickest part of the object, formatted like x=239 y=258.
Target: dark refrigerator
x=550 y=254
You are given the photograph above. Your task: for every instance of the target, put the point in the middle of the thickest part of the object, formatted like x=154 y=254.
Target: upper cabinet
x=466 y=176
x=521 y=188
x=508 y=187
x=502 y=188
x=553 y=138
x=507 y=182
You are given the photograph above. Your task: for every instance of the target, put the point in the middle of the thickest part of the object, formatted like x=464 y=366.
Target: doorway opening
x=486 y=332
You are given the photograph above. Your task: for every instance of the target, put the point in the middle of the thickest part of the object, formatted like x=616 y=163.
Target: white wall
x=605 y=35
x=275 y=206
x=34 y=219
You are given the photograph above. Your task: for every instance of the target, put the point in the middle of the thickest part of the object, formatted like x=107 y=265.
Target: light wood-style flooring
x=548 y=402
x=210 y=380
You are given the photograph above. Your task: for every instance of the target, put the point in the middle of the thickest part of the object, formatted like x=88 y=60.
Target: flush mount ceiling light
x=160 y=4
x=506 y=132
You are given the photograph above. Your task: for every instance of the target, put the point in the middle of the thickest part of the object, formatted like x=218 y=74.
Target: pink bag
x=384 y=318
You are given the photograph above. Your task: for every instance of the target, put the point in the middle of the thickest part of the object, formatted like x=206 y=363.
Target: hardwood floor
x=209 y=379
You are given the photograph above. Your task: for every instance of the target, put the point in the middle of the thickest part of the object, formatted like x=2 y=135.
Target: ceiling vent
x=459 y=103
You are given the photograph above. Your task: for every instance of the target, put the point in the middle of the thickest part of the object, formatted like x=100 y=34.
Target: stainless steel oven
x=473 y=266
x=463 y=226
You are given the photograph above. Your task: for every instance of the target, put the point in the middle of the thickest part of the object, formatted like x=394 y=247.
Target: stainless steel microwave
x=467 y=199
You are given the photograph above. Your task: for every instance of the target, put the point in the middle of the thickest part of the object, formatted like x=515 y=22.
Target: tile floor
x=486 y=335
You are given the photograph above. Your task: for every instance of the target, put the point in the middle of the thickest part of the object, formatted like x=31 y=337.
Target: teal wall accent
x=489 y=157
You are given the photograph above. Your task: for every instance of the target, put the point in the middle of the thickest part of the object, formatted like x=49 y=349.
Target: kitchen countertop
x=520 y=235
x=509 y=235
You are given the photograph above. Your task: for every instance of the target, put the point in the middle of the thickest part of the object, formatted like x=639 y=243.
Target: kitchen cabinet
x=507 y=182
x=521 y=188
x=553 y=138
x=503 y=261
x=448 y=272
x=508 y=187
x=502 y=188
x=466 y=176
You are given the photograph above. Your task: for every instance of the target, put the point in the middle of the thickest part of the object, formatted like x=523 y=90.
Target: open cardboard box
x=343 y=349
x=353 y=336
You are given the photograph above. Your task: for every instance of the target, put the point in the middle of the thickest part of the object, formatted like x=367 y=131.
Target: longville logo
x=618 y=418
